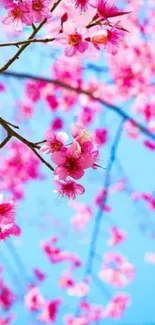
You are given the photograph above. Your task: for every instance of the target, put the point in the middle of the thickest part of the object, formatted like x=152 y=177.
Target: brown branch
x=5 y=141
x=23 y=47
x=45 y=40
x=78 y=90
x=11 y=133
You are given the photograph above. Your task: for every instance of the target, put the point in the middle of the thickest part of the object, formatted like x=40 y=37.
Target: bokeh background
x=41 y=213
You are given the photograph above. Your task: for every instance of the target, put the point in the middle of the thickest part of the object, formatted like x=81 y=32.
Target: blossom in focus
x=17 y=15
x=83 y=5
x=54 y=142
x=110 y=39
x=73 y=39
x=106 y=10
x=71 y=162
x=39 y=9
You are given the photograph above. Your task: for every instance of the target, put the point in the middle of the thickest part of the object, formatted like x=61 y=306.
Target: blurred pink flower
x=117 y=236
x=33 y=299
x=117 y=305
x=69 y=189
x=7 y=224
x=50 y=311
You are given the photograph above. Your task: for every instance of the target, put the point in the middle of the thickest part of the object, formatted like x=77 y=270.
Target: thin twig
x=98 y=218
x=5 y=141
x=23 y=47
x=11 y=133
x=78 y=90
x=45 y=40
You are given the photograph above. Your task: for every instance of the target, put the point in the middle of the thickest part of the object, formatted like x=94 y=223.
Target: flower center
x=99 y=39
x=74 y=39
x=16 y=12
x=85 y=136
x=37 y=5
x=71 y=164
x=4 y=208
x=56 y=145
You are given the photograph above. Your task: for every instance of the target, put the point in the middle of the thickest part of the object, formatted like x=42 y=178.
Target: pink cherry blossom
x=7 y=224
x=116 y=270
x=7 y=297
x=80 y=289
x=18 y=14
x=54 y=142
x=116 y=307
x=33 y=299
x=50 y=311
x=150 y=257
x=105 y=10
x=117 y=236
x=100 y=136
x=57 y=124
x=69 y=189
x=41 y=276
x=39 y=9
x=65 y=281
x=73 y=39
x=71 y=162
x=80 y=320
x=6 y=321
x=57 y=255
x=82 y=217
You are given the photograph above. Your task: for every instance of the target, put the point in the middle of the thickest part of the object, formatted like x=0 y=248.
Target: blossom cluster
x=26 y=12
x=98 y=33
x=20 y=161
x=35 y=302
x=71 y=160
x=116 y=270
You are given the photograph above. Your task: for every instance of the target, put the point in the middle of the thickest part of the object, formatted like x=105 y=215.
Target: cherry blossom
x=33 y=299
x=117 y=236
x=50 y=311
x=73 y=39
x=39 y=9
x=69 y=189
x=116 y=270
x=7 y=224
x=18 y=14
x=7 y=296
x=54 y=142
x=116 y=307
x=80 y=289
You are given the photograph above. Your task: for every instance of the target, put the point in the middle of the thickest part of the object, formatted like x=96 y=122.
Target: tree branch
x=11 y=133
x=29 y=41
x=34 y=33
x=98 y=218
x=5 y=141
x=61 y=84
